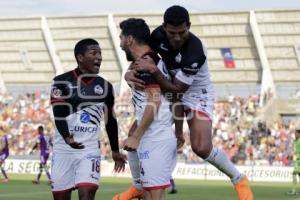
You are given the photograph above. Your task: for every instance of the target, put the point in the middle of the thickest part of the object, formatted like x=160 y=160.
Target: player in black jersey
x=81 y=100
x=186 y=60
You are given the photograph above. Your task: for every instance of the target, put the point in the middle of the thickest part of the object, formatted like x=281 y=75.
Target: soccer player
x=4 y=153
x=153 y=138
x=296 y=171
x=81 y=100
x=43 y=142
x=186 y=59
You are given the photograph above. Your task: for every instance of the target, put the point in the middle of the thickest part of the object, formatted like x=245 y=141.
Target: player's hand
x=180 y=141
x=145 y=64
x=132 y=81
x=131 y=144
x=119 y=161
x=75 y=145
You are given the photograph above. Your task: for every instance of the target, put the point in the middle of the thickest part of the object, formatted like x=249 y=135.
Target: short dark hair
x=81 y=46
x=176 y=15
x=41 y=128
x=137 y=28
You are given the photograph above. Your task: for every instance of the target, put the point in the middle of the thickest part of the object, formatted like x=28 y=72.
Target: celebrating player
x=186 y=60
x=153 y=137
x=81 y=100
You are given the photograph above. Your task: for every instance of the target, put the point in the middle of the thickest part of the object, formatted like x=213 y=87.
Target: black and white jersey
x=188 y=64
x=160 y=127
x=86 y=98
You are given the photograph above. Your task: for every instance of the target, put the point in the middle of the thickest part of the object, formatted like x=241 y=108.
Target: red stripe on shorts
x=62 y=191
x=86 y=184
x=156 y=187
x=204 y=114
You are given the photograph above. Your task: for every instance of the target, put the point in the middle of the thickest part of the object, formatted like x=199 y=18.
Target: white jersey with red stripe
x=160 y=128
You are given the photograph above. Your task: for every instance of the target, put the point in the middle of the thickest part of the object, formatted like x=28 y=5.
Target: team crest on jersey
x=56 y=93
x=98 y=89
x=85 y=117
x=194 y=65
x=178 y=58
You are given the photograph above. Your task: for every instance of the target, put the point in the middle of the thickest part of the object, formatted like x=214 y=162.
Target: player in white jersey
x=186 y=60
x=153 y=138
x=81 y=100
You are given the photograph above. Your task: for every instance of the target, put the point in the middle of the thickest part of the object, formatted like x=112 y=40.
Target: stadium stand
x=24 y=58
x=66 y=31
x=281 y=34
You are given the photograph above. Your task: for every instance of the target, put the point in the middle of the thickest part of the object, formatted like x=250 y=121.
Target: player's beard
x=128 y=55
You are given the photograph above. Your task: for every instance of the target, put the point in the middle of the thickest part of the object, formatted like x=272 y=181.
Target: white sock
x=134 y=165
x=219 y=159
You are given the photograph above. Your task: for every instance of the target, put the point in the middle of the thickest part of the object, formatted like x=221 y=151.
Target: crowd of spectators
x=235 y=129
x=20 y=117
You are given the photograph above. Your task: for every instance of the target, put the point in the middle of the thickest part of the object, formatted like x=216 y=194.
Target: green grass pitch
x=20 y=188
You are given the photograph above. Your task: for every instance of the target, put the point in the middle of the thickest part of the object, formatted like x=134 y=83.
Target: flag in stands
x=228 y=58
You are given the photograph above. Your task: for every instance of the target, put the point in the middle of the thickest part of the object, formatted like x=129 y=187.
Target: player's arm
x=132 y=80
x=132 y=128
x=151 y=109
x=178 y=116
x=147 y=65
x=111 y=126
x=61 y=109
x=33 y=148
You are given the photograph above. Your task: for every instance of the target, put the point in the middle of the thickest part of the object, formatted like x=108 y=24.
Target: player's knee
x=202 y=151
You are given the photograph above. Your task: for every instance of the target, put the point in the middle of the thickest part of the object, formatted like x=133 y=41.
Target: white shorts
x=200 y=102
x=156 y=161
x=70 y=171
